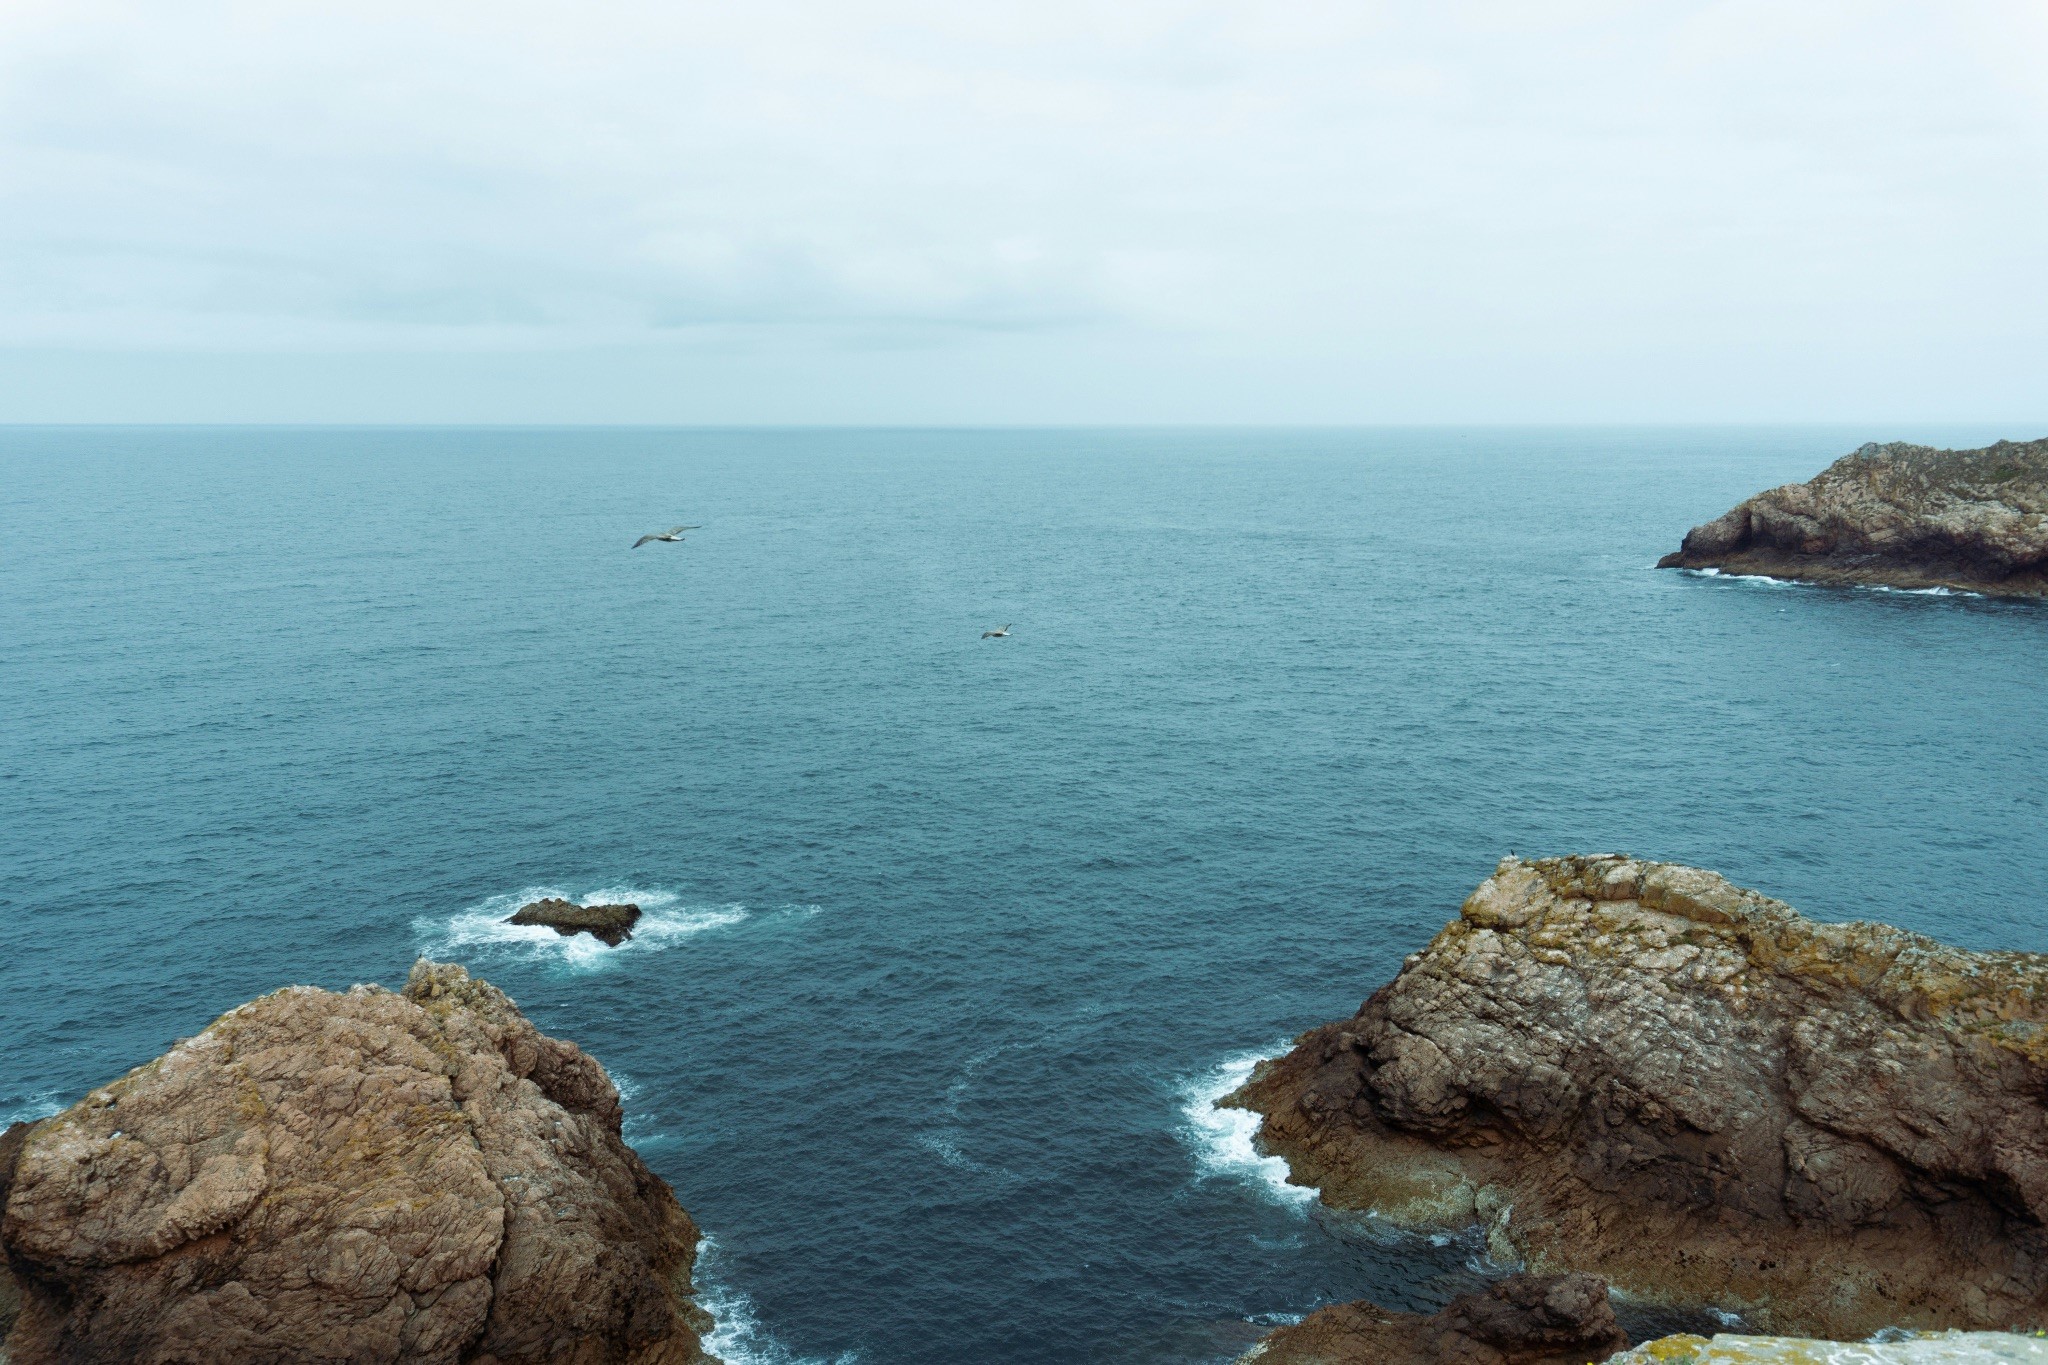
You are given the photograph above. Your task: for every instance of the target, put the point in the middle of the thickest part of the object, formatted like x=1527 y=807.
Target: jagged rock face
x=366 y=1177
x=609 y=924
x=1523 y=1320
x=1895 y=515
x=1640 y=1071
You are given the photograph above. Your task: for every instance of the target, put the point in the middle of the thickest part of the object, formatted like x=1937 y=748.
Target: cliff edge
x=1522 y=1320
x=359 y=1177
x=1639 y=1071
x=1898 y=515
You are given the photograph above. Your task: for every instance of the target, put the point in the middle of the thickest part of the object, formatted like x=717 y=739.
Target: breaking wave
x=739 y=1337
x=1765 y=580
x=1223 y=1139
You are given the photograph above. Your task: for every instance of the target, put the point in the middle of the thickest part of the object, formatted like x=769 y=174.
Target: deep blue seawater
x=950 y=939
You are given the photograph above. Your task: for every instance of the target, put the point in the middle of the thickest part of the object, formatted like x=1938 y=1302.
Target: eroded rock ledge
x=1639 y=1071
x=1523 y=1320
x=417 y=1177
x=1895 y=515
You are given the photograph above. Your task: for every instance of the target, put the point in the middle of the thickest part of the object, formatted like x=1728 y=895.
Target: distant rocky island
x=1900 y=516
x=1639 y=1071
x=369 y=1176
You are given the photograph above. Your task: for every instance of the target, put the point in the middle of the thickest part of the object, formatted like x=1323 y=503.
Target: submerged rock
x=610 y=924
x=1898 y=515
x=1640 y=1071
x=1523 y=1320
x=362 y=1177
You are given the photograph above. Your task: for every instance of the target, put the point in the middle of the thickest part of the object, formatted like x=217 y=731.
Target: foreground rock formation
x=366 y=1177
x=1896 y=515
x=1946 y=1348
x=1523 y=1320
x=609 y=924
x=1639 y=1071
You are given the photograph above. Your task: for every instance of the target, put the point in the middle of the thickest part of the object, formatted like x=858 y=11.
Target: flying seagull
x=674 y=533
x=1002 y=634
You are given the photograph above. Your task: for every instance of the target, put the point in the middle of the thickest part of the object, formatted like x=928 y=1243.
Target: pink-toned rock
x=363 y=1177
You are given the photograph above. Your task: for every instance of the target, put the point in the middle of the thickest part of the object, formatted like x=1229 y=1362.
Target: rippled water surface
x=949 y=940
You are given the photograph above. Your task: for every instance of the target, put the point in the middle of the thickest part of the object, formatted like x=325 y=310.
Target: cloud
x=1478 y=188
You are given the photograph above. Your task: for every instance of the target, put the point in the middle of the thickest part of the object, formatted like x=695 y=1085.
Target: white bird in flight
x=1002 y=634
x=673 y=533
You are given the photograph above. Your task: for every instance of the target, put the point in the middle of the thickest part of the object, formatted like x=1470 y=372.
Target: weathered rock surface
x=1639 y=1071
x=1896 y=515
x=1523 y=1320
x=1944 y=1348
x=610 y=924
x=364 y=1177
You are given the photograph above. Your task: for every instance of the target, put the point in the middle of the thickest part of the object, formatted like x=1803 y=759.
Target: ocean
x=950 y=942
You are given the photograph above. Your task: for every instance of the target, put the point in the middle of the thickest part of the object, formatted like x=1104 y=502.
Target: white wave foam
x=1223 y=1139
x=1761 y=579
x=481 y=929
x=1920 y=592
x=29 y=1108
x=738 y=1336
x=1765 y=580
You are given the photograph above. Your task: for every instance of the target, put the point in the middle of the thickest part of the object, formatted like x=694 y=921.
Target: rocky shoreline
x=367 y=1176
x=1522 y=1320
x=1898 y=516
x=1639 y=1071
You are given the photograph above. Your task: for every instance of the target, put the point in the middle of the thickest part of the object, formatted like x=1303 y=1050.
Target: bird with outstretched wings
x=673 y=533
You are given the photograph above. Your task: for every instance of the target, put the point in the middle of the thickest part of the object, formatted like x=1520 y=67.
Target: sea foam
x=481 y=930
x=1765 y=580
x=1222 y=1139
x=738 y=1336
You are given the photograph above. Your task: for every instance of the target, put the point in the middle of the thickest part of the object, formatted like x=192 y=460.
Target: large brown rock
x=1897 y=516
x=1523 y=1320
x=1640 y=1071
x=364 y=1177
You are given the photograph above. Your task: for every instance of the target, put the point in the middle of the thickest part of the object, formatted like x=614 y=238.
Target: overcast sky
x=1053 y=211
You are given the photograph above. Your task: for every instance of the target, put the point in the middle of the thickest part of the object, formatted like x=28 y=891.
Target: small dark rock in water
x=1523 y=1320
x=610 y=924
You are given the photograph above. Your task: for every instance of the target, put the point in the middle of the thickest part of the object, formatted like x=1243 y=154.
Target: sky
x=889 y=211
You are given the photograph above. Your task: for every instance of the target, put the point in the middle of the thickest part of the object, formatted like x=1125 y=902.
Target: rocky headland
x=1639 y=1071
x=1523 y=1320
x=418 y=1177
x=1898 y=515
x=611 y=925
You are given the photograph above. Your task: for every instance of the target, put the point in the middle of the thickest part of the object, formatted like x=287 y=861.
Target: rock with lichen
x=1639 y=1071
x=1896 y=515
x=359 y=1177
